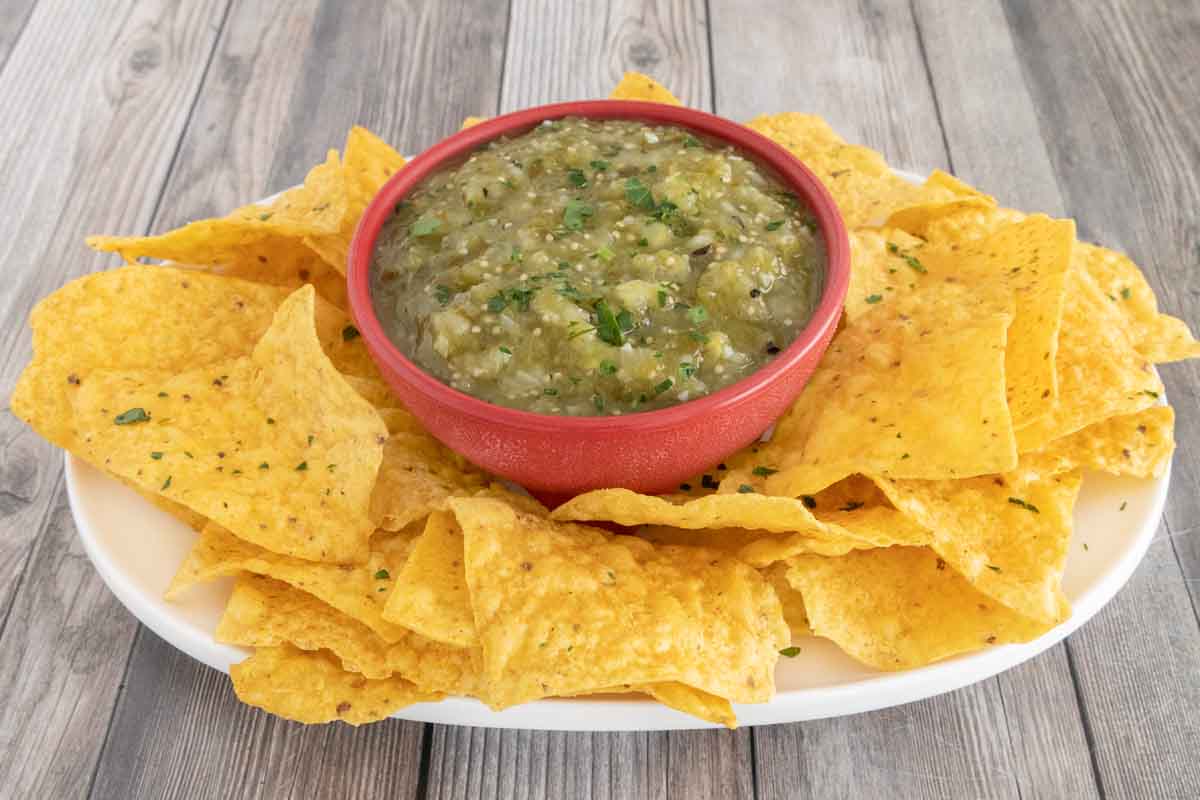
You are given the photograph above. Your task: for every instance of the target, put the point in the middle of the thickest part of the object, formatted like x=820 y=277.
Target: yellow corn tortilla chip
x=879 y=268
x=913 y=388
x=901 y=607
x=355 y=591
x=369 y=163
x=767 y=516
x=863 y=186
x=636 y=86
x=315 y=208
x=313 y=688
x=1006 y=534
x=790 y=598
x=417 y=475
x=431 y=594
x=1099 y=372
x=565 y=609
x=1032 y=258
x=968 y=224
x=471 y=122
x=1157 y=337
x=170 y=320
x=276 y=447
x=958 y=187
x=263 y=612
x=1137 y=444
x=689 y=700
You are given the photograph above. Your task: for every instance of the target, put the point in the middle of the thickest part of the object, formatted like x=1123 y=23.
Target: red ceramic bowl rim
x=790 y=171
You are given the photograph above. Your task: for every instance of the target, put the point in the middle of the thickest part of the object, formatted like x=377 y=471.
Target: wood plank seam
x=112 y=716
x=16 y=39
x=933 y=93
x=42 y=524
x=1085 y=718
x=1182 y=567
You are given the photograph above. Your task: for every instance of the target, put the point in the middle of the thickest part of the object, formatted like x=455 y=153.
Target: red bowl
x=651 y=451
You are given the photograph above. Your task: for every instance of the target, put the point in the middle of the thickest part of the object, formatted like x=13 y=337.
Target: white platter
x=136 y=548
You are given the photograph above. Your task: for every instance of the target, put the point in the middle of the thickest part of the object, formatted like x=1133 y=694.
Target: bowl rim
x=786 y=167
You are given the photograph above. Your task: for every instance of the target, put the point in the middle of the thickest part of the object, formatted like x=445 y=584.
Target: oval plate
x=136 y=548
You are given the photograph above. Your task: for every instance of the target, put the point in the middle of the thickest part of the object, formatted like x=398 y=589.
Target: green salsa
x=597 y=267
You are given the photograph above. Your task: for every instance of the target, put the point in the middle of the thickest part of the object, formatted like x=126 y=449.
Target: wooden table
x=122 y=116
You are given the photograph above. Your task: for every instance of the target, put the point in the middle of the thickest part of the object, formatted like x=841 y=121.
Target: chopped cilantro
x=662 y=298
x=156 y=455
x=745 y=488
x=425 y=226
x=302 y=466
x=775 y=224
x=697 y=336
x=687 y=369
x=166 y=484
x=264 y=465
x=664 y=386
x=692 y=141
x=874 y=298
x=1016 y=501
x=1150 y=393
x=994 y=568
x=913 y=262
x=598 y=402
x=515 y=255
x=382 y=575
x=607 y=367
x=607 y=328
x=575 y=213
x=637 y=194
x=550 y=391
x=605 y=253
x=763 y=472
x=265 y=216
x=1125 y=293
x=851 y=505
x=598 y=165
x=643 y=242
x=790 y=652
x=576 y=178
x=131 y=416
x=505 y=350
x=697 y=314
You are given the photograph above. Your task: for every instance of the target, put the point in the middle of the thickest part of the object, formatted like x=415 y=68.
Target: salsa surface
x=596 y=267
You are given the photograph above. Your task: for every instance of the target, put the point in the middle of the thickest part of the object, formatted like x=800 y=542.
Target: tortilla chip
x=879 y=268
x=688 y=700
x=431 y=594
x=355 y=591
x=418 y=474
x=566 y=609
x=1099 y=372
x=763 y=514
x=170 y=320
x=315 y=208
x=1006 y=534
x=790 y=598
x=863 y=186
x=636 y=86
x=968 y=224
x=313 y=688
x=1157 y=337
x=369 y=163
x=276 y=447
x=1031 y=258
x=913 y=388
x=1138 y=444
x=264 y=612
x=901 y=607
x=958 y=187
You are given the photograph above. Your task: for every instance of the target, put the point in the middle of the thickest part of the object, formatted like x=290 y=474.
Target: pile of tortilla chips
x=916 y=501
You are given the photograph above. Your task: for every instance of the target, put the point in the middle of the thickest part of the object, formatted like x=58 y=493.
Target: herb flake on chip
x=132 y=416
x=790 y=652
x=1016 y=501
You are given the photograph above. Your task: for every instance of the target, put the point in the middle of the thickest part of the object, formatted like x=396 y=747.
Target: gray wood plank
x=1116 y=89
x=265 y=103
x=116 y=80
x=180 y=732
x=856 y=64
x=62 y=656
x=13 y=17
x=479 y=762
x=576 y=51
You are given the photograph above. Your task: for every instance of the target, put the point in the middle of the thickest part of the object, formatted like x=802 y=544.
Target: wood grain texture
x=479 y=762
x=14 y=14
x=62 y=657
x=857 y=64
x=180 y=732
x=117 y=80
x=570 y=51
